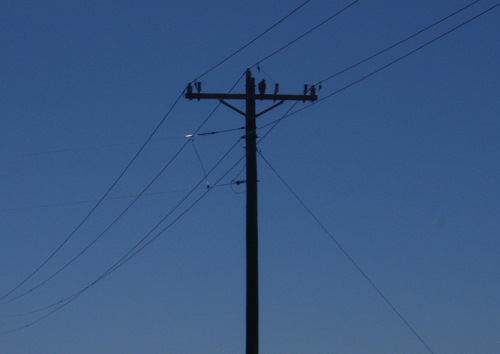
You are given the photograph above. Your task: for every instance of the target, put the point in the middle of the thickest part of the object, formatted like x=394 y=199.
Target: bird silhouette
x=262 y=87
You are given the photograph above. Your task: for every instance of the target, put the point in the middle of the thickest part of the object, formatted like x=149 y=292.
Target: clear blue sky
x=401 y=168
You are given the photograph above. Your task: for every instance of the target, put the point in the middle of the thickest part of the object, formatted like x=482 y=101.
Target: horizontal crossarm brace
x=243 y=96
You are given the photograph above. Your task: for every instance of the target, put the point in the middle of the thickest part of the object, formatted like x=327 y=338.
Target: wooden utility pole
x=252 y=235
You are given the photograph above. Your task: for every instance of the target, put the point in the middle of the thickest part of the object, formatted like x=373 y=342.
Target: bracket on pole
x=270 y=108
x=232 y=107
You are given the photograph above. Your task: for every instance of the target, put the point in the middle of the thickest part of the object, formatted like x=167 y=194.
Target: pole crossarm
x=244 y=96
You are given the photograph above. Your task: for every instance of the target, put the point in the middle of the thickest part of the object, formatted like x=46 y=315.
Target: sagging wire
x=201 y=162
x=137 y=248
x=94 y=208
x=67 y=264
x=289 y=113
x=259 y=69
x=192 y=137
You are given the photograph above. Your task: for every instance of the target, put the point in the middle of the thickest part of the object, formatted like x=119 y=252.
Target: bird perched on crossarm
x=262 y=87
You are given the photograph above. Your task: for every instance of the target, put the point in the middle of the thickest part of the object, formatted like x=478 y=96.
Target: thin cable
x=277 y=121
x=397 y=43
x=221 y=131
x=201 y=162
x=83 y=148
x=131 y=254
x=197 y=78
x=104 y=146
x=120 y=215
x=87 y=201
x=306 y=33
x=252 y=41
x=259 y=68
x=97 y=204
x=286 y=115
x=92 y=200
x=127 y=255
x=348 y=85
x=344 y=251
x=402 y=57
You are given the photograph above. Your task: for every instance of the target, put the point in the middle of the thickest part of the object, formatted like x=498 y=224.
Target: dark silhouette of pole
x=252 y=230
x=252 y=332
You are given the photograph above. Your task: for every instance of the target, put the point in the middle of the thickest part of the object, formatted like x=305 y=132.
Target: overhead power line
x=402 y=57
x=397 y=43
x=307 y=107
x=393 y=62
x=78 y=255
x=135 y=157
x=289 y=113
x=138 y=153
x=305 y=33
x=134 y=251
x=77 y=202
x=81 y=148
x=252 y=41
x=61 y=245
x=348 y=256
x=104 y=146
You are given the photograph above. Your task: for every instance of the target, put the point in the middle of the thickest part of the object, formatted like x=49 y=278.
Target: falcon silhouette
x=262 y=87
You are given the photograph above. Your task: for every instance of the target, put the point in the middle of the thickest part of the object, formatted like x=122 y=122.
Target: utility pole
x=252 y=236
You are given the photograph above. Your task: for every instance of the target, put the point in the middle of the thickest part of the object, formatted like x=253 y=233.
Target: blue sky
x=401 y=168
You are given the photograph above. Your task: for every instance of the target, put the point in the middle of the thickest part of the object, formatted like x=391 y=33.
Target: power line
x=61 y=245
x=140 y=150
x=135 y=250
x=374 y=73
x=397 y=43
x=403 y=56
x=113 y=222
x=252 y=41
x=305 y=33
x=76 y=202
x=287 y=114
x=81 y=148
x=103 y=146
x=221 y=131
x=112 y=186
x=129 y=254
x=201 y=162
x=344 y=251
x=290 y=43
